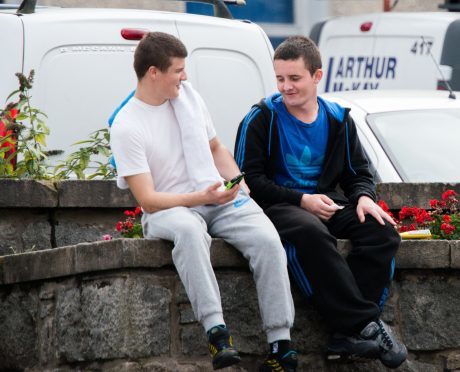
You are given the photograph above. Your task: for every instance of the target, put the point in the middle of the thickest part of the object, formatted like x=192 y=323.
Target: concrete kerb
x=28 y=194
x=154 y=254
x=105 y=194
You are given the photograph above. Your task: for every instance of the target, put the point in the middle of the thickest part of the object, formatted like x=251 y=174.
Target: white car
x=409 y=136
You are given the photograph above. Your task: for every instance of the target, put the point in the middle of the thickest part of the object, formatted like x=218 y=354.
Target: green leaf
x=40 y=138
x=21 y=116
x=4 y=149
x=81 y=142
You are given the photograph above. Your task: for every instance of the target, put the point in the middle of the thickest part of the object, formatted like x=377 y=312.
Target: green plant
x=23 y=136
x=79 y=161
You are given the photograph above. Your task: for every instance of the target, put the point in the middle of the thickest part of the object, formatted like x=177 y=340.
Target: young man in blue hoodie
x=295 y=149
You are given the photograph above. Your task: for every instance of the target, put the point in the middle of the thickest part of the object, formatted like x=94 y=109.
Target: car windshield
x=422 y=144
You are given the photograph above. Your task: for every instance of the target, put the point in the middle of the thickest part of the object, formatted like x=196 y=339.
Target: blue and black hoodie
x=345 y=175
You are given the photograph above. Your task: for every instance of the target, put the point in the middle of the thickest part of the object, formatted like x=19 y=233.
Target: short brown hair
x=295 y=47
x=157 y=49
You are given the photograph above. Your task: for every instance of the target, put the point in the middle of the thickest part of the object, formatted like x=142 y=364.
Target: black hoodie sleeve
x=357 y=179
x=252 y=155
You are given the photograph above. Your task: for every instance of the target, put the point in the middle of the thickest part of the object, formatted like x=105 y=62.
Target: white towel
x=193 y=118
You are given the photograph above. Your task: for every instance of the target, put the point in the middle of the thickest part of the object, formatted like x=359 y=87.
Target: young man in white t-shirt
x=148 y=144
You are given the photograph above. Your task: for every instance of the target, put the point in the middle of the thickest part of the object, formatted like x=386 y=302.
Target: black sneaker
x=221 y=348
x=347 y=348
x=285 y=363
x=392 y=351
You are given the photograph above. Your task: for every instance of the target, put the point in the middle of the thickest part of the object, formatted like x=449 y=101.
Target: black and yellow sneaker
x=280 y=363
x=221 y=348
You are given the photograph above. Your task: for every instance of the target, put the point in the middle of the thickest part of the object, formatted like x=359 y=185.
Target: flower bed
x=443 y=220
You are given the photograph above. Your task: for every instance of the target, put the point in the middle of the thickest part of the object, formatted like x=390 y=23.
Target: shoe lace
x=386 y=338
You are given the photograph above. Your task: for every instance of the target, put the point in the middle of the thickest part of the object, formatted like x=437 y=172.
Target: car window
x=422 y=144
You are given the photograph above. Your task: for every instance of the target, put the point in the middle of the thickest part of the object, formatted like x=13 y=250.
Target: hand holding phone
x=234 y=181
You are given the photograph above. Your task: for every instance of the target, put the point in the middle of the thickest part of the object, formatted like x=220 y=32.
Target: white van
x=83 y=61
x=389 y=51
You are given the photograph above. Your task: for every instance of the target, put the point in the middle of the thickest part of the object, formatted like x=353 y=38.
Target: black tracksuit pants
x=348 y=292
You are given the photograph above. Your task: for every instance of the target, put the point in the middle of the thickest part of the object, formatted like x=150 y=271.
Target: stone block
x=46 y=344
x=122 y=366
x=146 y=253
x=309 y=333
x=172 y=365
x=94 y=194
x=37 y=236
x=181 y=295
x=18 y=328
x=391 y=307
x=113 y=318
x=241 y=311
x=122 y=253
x=430 y=306
x=344 y=246
x=73 y=226
x=8 y=247
x=98 y=256
x=23 y=230
x=44 y=264
x=453 y=361
x=193 y=340
x=455 y=254
x=27 y=193
x=423 y=254
x=225 y=255
x=186 y=314
x=419 y=366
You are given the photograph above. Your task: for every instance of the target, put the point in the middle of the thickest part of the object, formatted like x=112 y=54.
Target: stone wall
x=120 y=306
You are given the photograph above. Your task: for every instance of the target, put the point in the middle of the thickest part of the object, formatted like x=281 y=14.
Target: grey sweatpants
x=243 y=224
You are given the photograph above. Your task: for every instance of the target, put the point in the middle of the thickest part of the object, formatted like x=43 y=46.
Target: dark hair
x=295 y=47
x=157 y=49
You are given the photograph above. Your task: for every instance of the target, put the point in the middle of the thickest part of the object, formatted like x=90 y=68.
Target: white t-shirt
x=147 y=139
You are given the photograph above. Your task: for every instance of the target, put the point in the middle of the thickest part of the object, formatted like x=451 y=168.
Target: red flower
x=422 y=216
x=13 y=113
x=447 y=228
x=11 y=142
x=119 y=225
x=407 y=212
x=412 y=227
x=138 y=211
x=447 y=194
x=446 y=218
x=434 y=203
x=403 y=228
x=129 y=213
x=383 y=205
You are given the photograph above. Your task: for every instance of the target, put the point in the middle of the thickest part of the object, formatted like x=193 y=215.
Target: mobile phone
x=234 y=181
